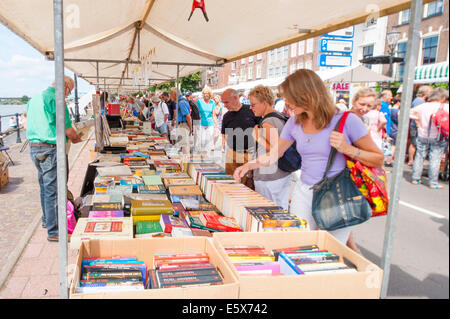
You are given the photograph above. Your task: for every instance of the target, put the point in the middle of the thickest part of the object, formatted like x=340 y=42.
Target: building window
x=433 y=9
x=278 y=54
x=404 y=16
x=242 y=79
x=250 y=59
x=233 y=66
x=259 y=56
x=300 y=65
x=429 y=50
x=308 y=65
x=258 y=71
x=243 y=61
x=309 y=45
x=250 y=73
x=292 y=69
x=286 y=52
x=367 y=53
x=301 y=48
x=401 y=53
x=270 y=73
x=284 y=71
x=277 y=72
x=293 y=50
x=272 y=56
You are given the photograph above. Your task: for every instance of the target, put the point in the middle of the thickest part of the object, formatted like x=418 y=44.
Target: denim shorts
x=162 y=129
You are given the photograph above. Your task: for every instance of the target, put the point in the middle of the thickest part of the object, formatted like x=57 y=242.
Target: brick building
x=434 y=35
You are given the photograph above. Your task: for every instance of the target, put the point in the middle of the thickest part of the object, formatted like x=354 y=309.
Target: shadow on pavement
x=443 y=222
x=403 y=285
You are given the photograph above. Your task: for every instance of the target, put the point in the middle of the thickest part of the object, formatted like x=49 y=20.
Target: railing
x=11 y=130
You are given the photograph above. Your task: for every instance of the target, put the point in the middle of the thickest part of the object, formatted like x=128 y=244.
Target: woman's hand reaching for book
x=240 y=172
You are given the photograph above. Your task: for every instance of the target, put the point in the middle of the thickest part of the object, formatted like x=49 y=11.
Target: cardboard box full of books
x=363 y=283
x=144 y=249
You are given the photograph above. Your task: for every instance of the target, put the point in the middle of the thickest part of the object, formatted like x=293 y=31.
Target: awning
x=352 y=74
x=431 y=73
x=119 y=33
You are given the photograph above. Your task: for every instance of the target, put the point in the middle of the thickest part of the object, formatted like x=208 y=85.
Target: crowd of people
x=255 y=131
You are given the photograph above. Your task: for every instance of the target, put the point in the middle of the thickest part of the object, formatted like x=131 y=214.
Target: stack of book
x=106 y=275
x=175 y=226
x=170 y=182
x=101 y=228
x=180 y=270
x=150 y=210
x=134 y=181
x=177 y=193
x=311 y=260
x=272 y=218
x=166 y=166
x=253 y=261
x=192 y=218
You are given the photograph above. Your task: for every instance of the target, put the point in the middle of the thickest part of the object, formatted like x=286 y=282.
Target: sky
x=24 y=70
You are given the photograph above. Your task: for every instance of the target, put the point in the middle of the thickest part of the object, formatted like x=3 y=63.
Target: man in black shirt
x=237 y=129
x=171 y=105
x=195 y=116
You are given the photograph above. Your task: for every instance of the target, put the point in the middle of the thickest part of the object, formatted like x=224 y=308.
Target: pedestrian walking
x=206 y=107
x=430 y=142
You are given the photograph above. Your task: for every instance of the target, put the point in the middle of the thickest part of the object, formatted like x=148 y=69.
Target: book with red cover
x=228 y=224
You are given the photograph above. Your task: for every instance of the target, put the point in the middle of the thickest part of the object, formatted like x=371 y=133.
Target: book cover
x=141 y=207
x=152 y=180
x=219 y=222
x=106 y=213
x=148 y=227
x=151 y=189
x=168 y=182
x=169 y=222
x=106 y=206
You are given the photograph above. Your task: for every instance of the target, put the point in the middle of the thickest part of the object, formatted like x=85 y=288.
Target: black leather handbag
x=337 y=201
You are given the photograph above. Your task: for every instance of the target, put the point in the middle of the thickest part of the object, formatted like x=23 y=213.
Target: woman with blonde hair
x=271 y=182
x=312 y=128
x=206 y=107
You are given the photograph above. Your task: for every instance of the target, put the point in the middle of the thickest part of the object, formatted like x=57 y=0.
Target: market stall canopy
x=431 y=73
x=122 y=33
x=352 y=74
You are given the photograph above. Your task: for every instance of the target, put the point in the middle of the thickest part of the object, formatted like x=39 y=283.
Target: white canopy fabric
x=119 y=30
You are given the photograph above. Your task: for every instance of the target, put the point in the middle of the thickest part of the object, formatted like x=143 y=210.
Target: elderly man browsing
x=41 y=132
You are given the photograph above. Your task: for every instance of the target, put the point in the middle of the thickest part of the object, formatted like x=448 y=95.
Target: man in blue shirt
x=386 y=99
x=183 y=114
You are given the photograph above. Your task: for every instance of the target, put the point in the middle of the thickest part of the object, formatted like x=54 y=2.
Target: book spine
x=187 y=273
x=165 y=282
x=287 y=266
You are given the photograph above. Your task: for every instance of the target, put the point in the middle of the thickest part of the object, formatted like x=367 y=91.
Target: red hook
x=199 y=4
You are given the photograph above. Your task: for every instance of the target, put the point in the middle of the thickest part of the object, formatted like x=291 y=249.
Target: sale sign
x=341 y=86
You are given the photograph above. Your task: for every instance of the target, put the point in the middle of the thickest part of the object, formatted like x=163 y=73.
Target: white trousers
x=206 y=139
x=301 y=205
x=277 y=191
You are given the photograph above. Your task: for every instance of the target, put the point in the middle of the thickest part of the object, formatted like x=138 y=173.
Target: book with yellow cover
x=148 y=207
x=177 y=193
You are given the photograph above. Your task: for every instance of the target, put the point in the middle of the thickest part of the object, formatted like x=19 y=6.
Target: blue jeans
x=44 y=158
x=162 y=129
x=434 y=149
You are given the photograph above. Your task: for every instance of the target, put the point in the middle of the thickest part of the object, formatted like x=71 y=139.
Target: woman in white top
x=375 y=122
x=429 y=140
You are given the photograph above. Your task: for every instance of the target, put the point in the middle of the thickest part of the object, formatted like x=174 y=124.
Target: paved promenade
x=29 y=264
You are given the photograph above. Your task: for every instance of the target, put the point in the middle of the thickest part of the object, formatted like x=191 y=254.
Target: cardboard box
x=144 y=249
x=366 y=283
x=4 y=177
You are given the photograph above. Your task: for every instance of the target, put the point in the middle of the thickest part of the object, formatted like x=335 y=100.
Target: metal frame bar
x=118 y=78
x=397 y=173
x=61 y=145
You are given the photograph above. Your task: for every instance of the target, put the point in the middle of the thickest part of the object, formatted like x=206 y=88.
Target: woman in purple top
x=311 y=127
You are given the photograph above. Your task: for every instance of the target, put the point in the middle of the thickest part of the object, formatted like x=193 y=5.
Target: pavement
x=29 y=264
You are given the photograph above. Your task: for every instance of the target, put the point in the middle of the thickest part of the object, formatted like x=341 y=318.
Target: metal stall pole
x=397 y=174
x=77 y=108
x=176 y=93
x=18 y=139
x=61 y=144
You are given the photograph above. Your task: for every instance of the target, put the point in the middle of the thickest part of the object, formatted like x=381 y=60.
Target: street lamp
x=392 y=40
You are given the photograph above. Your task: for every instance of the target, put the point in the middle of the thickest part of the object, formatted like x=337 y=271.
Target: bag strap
x=273 y=114
x=339 y=128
